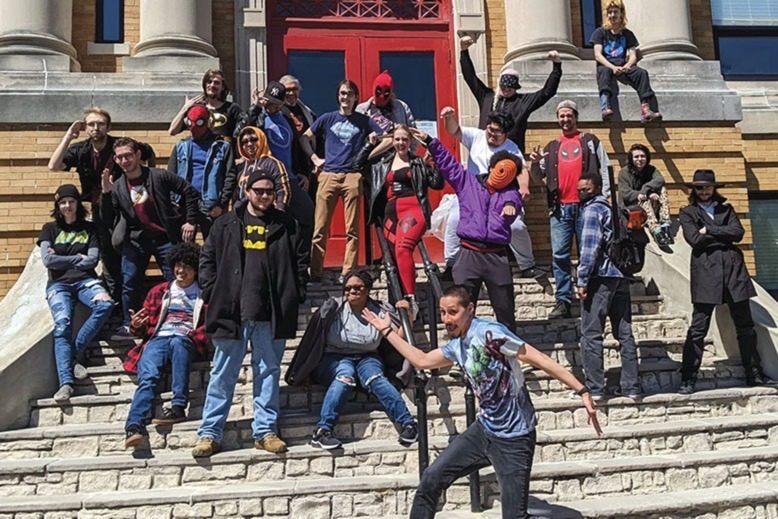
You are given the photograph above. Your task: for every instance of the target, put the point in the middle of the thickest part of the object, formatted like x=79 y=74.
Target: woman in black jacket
x=397 y=196
x=718 y=275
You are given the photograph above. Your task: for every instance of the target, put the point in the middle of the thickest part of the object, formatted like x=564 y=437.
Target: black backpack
x=626 y=248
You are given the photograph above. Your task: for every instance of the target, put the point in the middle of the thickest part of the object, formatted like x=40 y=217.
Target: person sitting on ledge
x=615 y=50
x=172 y=322
x=339 y=349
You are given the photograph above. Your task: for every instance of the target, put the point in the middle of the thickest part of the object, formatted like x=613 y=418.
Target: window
x=591 y=18
x=764 y=229
x=746 y=35
x=110 y=21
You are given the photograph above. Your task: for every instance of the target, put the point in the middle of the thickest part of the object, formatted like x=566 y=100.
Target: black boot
x=687 y=386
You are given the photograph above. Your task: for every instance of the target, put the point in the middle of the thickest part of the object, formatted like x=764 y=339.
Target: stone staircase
x=710 y=455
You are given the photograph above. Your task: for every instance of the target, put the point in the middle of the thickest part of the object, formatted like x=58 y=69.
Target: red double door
x=321 y=54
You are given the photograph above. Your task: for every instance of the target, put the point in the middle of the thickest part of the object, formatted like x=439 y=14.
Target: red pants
x=404 y=225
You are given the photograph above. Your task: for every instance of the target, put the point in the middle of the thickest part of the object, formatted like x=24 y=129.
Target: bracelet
x=385 y=335
x=583 y=391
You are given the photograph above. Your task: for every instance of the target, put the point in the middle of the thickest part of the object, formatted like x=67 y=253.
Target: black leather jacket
x=422 y=178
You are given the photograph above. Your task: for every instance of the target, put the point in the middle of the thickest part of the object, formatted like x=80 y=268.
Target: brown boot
x=205 y=447
x=647 y=115
x=271 y=443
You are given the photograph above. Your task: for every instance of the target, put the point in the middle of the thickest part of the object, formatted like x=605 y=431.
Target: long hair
x=694 y=199
x=631 y=164
x=81 y=213
x=225 y=87
x=619 y=4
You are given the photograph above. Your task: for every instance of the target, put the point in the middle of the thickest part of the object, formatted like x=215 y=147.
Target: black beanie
x=66 y=190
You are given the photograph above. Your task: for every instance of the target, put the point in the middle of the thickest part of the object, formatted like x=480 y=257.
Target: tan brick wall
x=702 y=28
x=496 y=40
x=84 y=32
x=761 y=153
x=224 y=38
x=575 y=20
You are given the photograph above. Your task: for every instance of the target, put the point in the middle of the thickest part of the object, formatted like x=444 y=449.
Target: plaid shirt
x=155 y=300
x=597 y=229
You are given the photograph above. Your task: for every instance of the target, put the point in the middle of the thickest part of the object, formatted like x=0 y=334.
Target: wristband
x=385 y=335
x=583 y=391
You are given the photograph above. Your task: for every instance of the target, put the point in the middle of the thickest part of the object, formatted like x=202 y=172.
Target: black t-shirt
x=225 y=118
x=255 y=287
x=69 y=240
x=614 y=46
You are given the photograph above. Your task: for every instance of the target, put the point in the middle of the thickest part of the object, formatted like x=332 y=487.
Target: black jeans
x=301 y=209
x=637 y=78
x=608 y=298
x=695 y=338
x=472 y=450
x=109 y=257
x=472 y=269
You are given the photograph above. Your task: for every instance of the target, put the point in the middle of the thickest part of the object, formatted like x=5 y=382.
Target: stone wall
x=84 y=32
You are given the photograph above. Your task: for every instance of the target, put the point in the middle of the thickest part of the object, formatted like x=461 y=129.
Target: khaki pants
x=331 y=187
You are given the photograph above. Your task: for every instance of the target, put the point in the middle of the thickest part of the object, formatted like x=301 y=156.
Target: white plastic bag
x=440 y=216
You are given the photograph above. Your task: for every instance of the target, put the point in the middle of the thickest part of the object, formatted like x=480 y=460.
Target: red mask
x=382 y=89
x=198 y=120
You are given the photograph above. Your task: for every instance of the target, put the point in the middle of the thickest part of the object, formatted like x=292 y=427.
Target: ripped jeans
x=340 y=374
x=62 y=298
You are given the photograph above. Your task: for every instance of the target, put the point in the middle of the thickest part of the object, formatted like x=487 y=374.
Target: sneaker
x=122 y=333
x=79 y=371
x=560 y=311
x=529 y=273
x=633 y=394
x=271 y=443
x=455 y=372
x=597 y=396
x=687 y=387
x=324 y=439
x=171 y=415
x=755 y=379
x=409 y=434
x=64 y=393
x=660 y=237
x=135 y=436
x=205 y=447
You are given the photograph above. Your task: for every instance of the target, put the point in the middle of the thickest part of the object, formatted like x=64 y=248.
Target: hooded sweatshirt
x=263 y=159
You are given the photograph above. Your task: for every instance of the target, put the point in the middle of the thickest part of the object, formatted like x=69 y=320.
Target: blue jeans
x=340 y=373
x=135 y=260
x=566 y=222
x=472 y=450
x=266 y=354
x=62 y=299
x=176 y=349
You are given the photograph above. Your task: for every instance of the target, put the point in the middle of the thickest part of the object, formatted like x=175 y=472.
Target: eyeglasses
x=344 y=93
x=353 y=288
x=126 y=156
x=263 y=191
x=291 y=90
x=249 y=139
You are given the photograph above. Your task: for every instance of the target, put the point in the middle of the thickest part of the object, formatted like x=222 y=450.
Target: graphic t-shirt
x=143 y=205
x=69 y=240
x=614 y=46
x=570 y=166
x=480 y=152
x=179 y=316
x=224 y=119
x=344 y=136
x=280 y=138
x=487 y=355
x=349 y=333
x=255 y=288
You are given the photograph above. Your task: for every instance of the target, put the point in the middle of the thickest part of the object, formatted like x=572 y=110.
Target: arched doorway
x=322 y=42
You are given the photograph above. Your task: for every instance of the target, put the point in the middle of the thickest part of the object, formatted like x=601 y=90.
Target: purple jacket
x=480 y=217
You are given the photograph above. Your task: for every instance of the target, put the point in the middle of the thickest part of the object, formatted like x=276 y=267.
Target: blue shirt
x=344 y=136
x=488 y=356
x=199 y=157
x=280 y=138
x=593 y=259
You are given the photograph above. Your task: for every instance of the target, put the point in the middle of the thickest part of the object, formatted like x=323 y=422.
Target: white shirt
x=480 y=152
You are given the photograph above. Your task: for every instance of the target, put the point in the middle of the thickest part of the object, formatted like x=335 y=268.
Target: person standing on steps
x=718 y=275
x=171 y=322
x=226 y=114
x=504 y=433
x=90 y=157
x=562 y=163
x=604 y=293
x=70 y=251
x=506 y=98
x=252 y=272
x=616 y=54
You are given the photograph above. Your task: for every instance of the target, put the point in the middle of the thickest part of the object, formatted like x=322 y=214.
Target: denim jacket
x=218 y=163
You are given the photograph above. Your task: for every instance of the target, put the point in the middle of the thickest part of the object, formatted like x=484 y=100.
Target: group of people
x=265 y=219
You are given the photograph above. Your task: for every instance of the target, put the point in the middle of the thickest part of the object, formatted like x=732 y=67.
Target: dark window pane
x=764 y=229
x=591 y=18
x=414 y=81
x=319 y=73
x=110 y=20
x=748 y=55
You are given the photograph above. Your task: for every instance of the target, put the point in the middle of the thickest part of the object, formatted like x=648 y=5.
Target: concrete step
x=654 y=376
x=110 y=378
x=655 y=424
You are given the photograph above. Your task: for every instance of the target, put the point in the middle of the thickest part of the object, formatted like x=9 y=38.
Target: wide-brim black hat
x=704 y=177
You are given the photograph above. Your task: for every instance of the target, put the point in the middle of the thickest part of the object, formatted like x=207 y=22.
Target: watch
x=583 y=391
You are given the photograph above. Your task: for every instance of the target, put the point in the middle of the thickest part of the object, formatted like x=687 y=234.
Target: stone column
x=35 y=36
x=175 y=36
x=535 y=27
x=663 y=28
x=251 y=50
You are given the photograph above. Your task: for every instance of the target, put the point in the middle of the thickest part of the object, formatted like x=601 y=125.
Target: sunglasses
x=292 y=90
x=701 y=188
x=248 y=140
x=353 y=288
x=263 y=191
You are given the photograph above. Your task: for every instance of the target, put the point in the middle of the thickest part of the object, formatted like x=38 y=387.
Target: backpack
x=626 y=247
